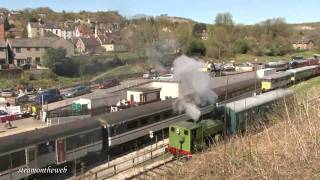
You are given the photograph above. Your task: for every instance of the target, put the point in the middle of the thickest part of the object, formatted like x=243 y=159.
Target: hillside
x=287 y=150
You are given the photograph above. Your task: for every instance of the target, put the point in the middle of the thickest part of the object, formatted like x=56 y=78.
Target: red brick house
x=2 y=32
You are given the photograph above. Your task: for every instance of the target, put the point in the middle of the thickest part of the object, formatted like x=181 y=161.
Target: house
x=3 y=51
x=55 y=29
x=15 y=32
x=2 y=32
x=82 y=31
x=141 y=95
x=111 y=43
x=303 y=44
x=86 y=45
x=67 y=33
x=31 y=51
x=35 y=29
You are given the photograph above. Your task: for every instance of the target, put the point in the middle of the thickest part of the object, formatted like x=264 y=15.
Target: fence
x=116 y=168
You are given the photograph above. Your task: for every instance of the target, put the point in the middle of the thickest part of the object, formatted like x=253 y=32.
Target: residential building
x=31 y=51
x=35 y=30
x=82 y=31
x=3 y=51
x=67 y=33
x=86 y=45
x=304 y=44
x=55 y=29
x=16 y=32
x=111 y=43
x=2 y=32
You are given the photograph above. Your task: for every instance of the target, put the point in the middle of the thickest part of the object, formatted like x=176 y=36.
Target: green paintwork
x=189 y=136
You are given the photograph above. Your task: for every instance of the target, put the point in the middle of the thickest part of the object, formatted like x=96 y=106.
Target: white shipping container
x=265 y=72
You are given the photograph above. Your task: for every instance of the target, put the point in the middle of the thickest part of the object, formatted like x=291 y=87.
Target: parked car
x=228 y=67
x=3 y=113
x=109 y=83
x=149 y=75
x=22 y=99
x=7 y=93
x=77 y=91
x=48 y=96
x=166 y=77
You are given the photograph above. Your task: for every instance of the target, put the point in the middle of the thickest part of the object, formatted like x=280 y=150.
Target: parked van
x=48 y=96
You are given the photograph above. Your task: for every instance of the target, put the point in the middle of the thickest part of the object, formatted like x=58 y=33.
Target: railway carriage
x=48 y=146
x=243 y=112
x=302 y=73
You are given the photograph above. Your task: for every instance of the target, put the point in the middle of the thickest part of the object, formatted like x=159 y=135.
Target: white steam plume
x=195 y=87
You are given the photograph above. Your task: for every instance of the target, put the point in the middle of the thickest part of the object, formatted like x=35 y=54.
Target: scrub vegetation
x=289 y=149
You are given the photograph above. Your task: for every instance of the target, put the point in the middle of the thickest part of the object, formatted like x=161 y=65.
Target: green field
x=121 y=72
x=307 y=86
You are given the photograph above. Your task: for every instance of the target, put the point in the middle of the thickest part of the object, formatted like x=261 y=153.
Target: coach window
x=186 y=132
x=18 y=158
x=73 y=142
x=46 y=148
x=31 y=154
x=156 y=117
x=4 y=163
x=132 y=125
x=144 y=121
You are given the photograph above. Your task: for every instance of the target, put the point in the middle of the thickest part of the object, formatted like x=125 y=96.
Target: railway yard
x=134 y=130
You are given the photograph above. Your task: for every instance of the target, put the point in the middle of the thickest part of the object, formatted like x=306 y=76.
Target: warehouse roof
x=247 y=103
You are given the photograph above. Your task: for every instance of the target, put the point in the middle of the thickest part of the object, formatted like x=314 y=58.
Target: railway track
x=159 y=171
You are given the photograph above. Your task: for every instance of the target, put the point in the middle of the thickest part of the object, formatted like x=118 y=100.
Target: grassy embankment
x=133 y=60
x=239 y=58
x=289 y=149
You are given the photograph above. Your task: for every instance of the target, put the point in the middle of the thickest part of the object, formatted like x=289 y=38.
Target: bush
x=197 y=48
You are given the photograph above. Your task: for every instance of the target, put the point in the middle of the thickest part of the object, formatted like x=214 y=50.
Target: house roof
x=33 y=42
x=52 y=26
x=3 y=43
x=304 y=41
x=35 y=25
x=91 y=41
x=144 y=90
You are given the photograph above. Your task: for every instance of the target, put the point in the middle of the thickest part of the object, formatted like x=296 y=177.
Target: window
x=29 y=60
x=172 y=129
x=186 y=132
x=156 y=118
x=83 y=139
x=45 y=148
x=5 y=163
x=37 y=60
x=144 y=121
x=31 y=154
x=28 y=49
x=132 y=125
x=18 y=50
x=18 y=158
x=1 y=49
x=37 y=49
